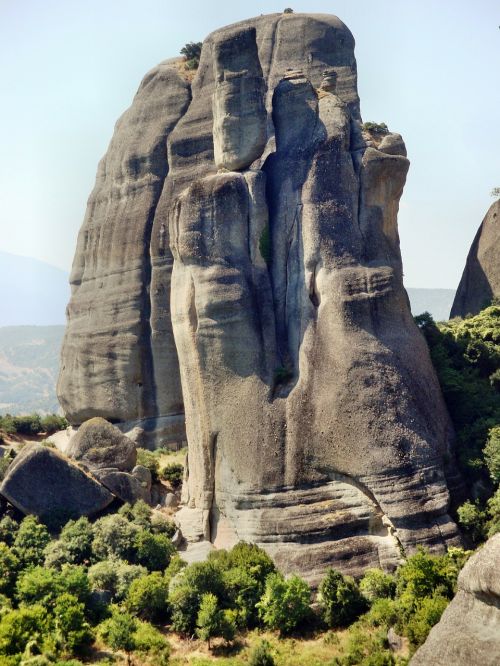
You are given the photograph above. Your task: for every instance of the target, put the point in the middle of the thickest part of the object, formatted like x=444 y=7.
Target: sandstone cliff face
x=469 y=630
x=481 y=277
x=268 y=246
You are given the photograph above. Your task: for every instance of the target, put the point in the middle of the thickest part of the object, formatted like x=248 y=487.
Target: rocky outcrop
x=43 y=482
x=99 y=445
x=314 y=419
x=469 y=630
x=480 y=281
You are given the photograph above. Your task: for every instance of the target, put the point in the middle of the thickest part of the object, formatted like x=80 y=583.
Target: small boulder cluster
x=100 y=466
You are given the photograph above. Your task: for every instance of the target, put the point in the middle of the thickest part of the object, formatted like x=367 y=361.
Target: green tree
x=376 y=584
x=115 y=577
x=492 y=454
x=30 y=542
x=340 y=599
x=150 y=460
x=8 y=530
x=71 y=628
x=150 y=644
x=119 y=631
x=153 y=550
x=494 y=514
x=426 y=615
x=192 y=52
x=147 y=597
x=261 y=655
x=186 y=590
x=20 y=626
x=209 y=618
x=473 y=520
x=173 y=473
x=285 y=603
x=114 y=536
x=9 y=565
x=74 y=545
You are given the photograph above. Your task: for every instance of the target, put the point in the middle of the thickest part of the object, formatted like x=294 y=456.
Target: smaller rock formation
x=100 y=445
x=41 y=481
x=111 y=457
x=480 y=281
x=240 y=115
x=469 y=630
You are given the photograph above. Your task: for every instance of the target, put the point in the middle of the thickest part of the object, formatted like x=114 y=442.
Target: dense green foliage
x=341 y=599
x=192 y=51
x=32 y=424
x=466 y=355
x=285 y=603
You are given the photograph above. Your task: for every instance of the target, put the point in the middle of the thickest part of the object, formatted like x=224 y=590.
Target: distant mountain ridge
x=29 y=365
x=436 y=301
x=31 y=292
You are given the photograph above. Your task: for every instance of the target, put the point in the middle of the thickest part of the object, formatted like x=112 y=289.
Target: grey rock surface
x=468 y=633
x=126 y=487
x=98 y=445
x=272 y=293
x=41 y=481
x=480 y=281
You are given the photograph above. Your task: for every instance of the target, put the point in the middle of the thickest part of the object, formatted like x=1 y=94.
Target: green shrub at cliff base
x=9 y=566
x=285 y=603
x=23 y=626
x=114 y=537
x=261 y=655
x=376 y=584
x=340 y=599
x=30 y=542
x=173 y=473
x=74 y=545
x=212 y=621
x=186 y=590
x=150 y=460
x=427 y=613
x=72 y=632
x=492 y=454
x=115 y=577
x=147 y=597
x=153 y=550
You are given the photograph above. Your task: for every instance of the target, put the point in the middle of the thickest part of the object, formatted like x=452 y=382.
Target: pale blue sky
x=69 y=68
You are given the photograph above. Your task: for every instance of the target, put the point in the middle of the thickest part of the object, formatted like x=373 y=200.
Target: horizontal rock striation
x=469 y=630
x=272 y=294
x=480 y=281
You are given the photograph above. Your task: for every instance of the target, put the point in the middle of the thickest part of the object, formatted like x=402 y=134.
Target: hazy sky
x=69 y=68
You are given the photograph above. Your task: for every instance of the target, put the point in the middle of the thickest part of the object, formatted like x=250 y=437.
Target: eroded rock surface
x=99 y=445
x=43 y=482
x=480 y=281
x=469 y=630
x=314 y=419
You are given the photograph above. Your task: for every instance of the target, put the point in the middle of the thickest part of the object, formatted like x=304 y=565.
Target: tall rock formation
x=481 y=277
x=264 y=242
x=469 y=630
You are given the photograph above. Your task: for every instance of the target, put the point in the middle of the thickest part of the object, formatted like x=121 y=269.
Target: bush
x=383 y=613
x=8 y=530
x=212 y=621
x=74 y=545
x=376 y=584
x=9 y=565
x=118 y=632
x=186 y=590
x=261 y=655
x=22 y=626
x=426 y=615
x=285 y=603
x=149 y=459
x=39 y=585
x=115 y=577
x=153 y=550
x=72 y=631
x=375 y=128
x=473 y=521
x=52 y=423
x=30 y=542
x=147 y=597
x=114 y=537
x=492 y=454
x=494 y=514
x=173 y=473
x=151 y=645
x=341 y=600
x=192 y=52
